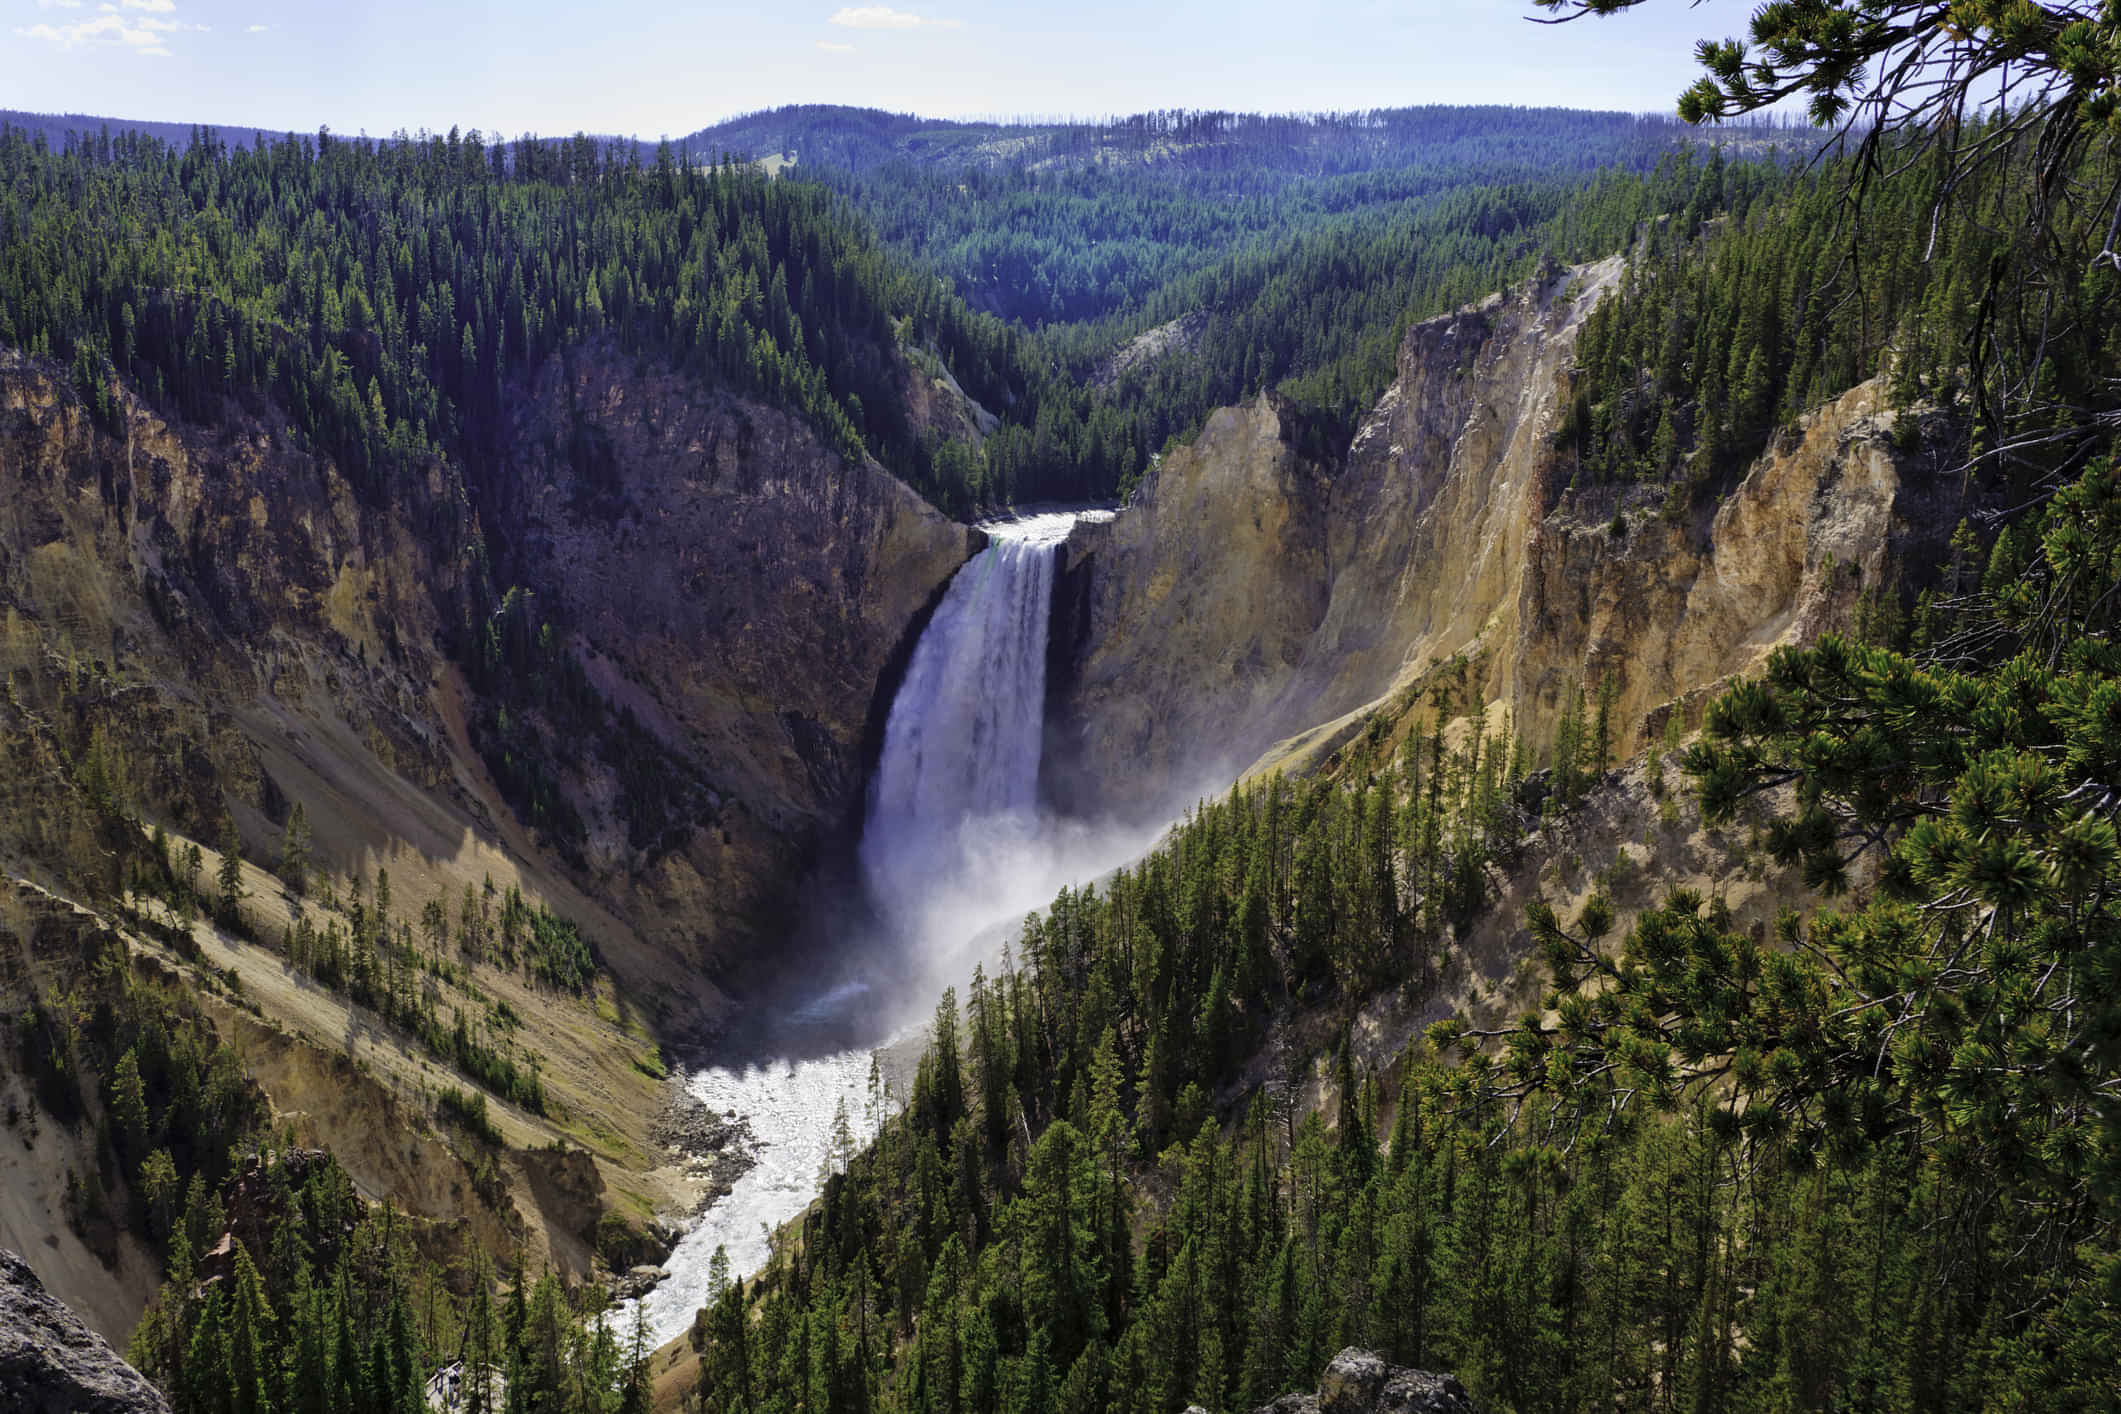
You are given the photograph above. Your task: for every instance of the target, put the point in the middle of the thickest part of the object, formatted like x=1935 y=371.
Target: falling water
x=953 y=844
x=961 y=748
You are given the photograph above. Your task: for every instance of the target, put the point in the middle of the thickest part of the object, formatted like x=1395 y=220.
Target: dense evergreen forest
x=1737 y=316
x=388 y=296
x=1864 y=1161
x=384 y=295
x=323 y=1302
x=1079 y=222
x=1258 y=151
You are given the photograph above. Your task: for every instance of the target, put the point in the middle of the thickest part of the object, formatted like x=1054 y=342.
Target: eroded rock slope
x=700 y=607
x=1249 y=605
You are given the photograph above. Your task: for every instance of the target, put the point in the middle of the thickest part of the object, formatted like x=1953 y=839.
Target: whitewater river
x=953 y=849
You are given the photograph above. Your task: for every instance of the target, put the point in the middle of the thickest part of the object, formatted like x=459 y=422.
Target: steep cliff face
x=1245 y=598
x=253 y=629
x=1180 y=623
x=224 y=621
x=1246 y=608
x=740 y=590
x=1672 y=610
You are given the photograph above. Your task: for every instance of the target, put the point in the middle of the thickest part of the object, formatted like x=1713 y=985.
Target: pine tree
x=253 y=1353
x=229 y=879
x=128 y=1105
x=294 y=850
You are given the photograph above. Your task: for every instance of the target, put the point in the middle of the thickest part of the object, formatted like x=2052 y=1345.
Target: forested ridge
x=384 y=294
x=1080 y=222
x=389 y=297
x=1737 y=316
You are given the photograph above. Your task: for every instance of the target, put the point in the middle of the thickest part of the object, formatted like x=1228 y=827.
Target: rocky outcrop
x=1360 y=1382
x=51 y=1363
x=1248 y=607
x=1179 y=336
x=1671 y=609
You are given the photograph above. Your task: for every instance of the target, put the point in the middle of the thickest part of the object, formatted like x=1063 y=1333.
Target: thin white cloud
x=146 y=34
x=257 y=29
x=830 y=48
x=884 y=17
x=58 y=4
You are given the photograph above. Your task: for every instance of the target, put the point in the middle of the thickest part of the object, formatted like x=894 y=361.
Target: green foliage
x=345 y=1314
x=390 y=299
x=1319 y=313
x=369 y=956
x=469 y=1110
x=228 y=879
x=1865 y=1161
x=384 y=295
x=1773 y=293
x=1932 y=60
x=1077 y=225
x=294 y=850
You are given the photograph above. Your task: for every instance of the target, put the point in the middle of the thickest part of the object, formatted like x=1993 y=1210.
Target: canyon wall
x=198 y=622
x=257 y=631
x=1247 y=607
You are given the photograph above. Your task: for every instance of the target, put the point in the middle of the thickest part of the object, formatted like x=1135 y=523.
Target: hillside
x=1058 y=224
x=858 y=140
x=1642 y=965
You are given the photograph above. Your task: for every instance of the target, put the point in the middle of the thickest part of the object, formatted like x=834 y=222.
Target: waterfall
x=959 y=771
x=952 y=846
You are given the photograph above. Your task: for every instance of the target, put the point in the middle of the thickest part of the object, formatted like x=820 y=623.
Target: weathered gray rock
x=1352 y=1382
x=1360 y=1382
x=1419 y=1392
x=1291 y=1404
x=52 y=1363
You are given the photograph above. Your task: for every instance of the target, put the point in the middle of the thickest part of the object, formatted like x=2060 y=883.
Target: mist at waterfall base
x=954 y=853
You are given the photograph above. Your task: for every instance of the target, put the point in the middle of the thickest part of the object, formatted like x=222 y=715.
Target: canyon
x=763 y=627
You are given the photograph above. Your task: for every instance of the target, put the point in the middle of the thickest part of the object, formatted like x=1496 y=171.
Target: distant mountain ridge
x=1307 y=144
x=862 y=139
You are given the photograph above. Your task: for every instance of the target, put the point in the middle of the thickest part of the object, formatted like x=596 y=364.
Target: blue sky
x=669 y=68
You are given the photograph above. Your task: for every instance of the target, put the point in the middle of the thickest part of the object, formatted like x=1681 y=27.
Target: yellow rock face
x=1247 y=608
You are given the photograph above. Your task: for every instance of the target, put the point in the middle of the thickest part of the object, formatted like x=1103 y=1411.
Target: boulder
x=1352 y=1382
x=52 y=1363
x=1360 y=1382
